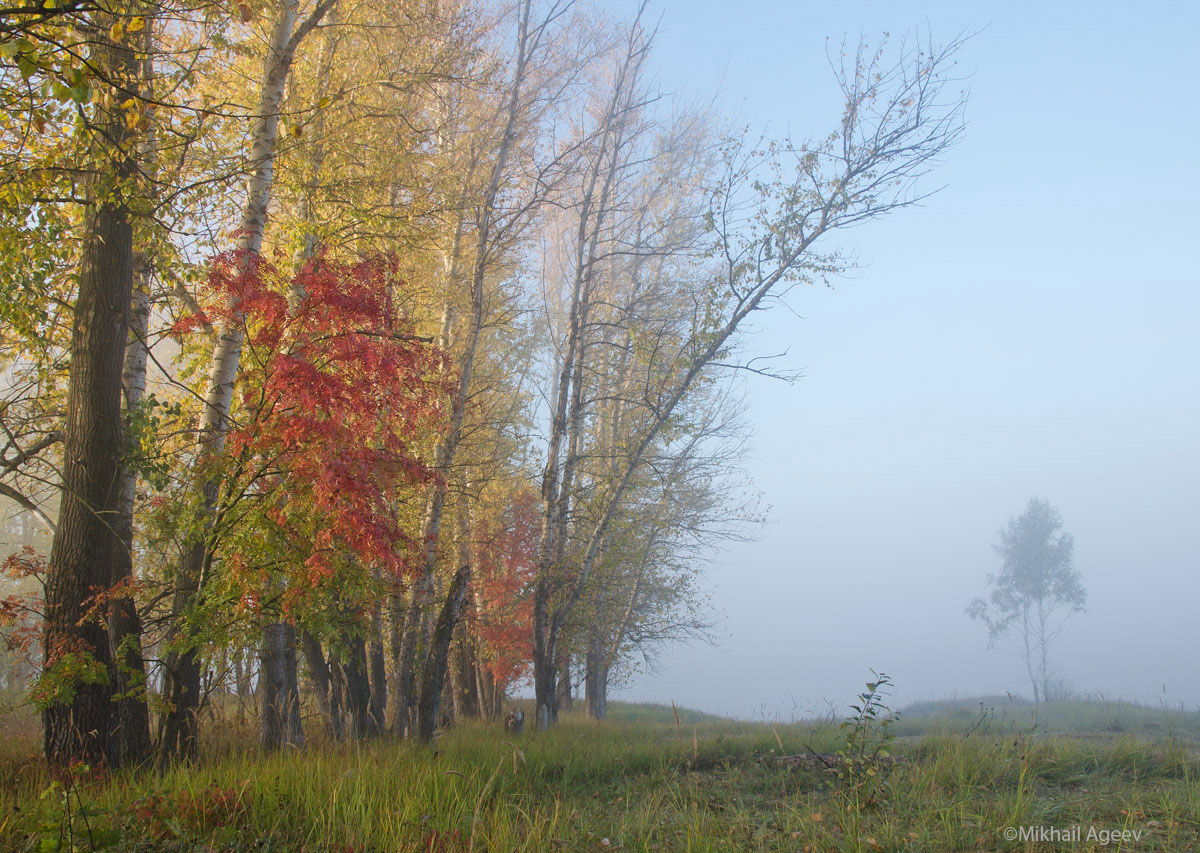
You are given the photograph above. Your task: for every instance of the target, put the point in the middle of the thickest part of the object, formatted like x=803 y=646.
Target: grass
x=639 y=781
x=1075 y=716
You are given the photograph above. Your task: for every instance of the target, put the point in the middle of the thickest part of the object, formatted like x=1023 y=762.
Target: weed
x=865 y=741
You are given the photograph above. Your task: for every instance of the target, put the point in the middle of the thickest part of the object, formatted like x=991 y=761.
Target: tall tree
x=503 y=207
x=80 y=718
x=183 y=665
x=605 y=162
x=895 y=124
x=1035 y=592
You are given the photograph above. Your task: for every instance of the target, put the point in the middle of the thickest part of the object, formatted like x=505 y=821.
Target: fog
x=1030 y=331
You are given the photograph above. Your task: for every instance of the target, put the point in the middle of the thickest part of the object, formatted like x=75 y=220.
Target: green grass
x=637 y=781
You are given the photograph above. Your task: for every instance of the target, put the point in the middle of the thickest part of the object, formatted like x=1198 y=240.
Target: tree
x=334 y=394
x=178 y=737
x=294 y=460
x=1035 y=592
x=770 y=221
x=75 y=691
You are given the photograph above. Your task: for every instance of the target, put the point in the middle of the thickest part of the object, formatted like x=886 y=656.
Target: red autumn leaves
x=340 y=405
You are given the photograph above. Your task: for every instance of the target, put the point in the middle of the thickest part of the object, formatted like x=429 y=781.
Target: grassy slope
x=640 y=782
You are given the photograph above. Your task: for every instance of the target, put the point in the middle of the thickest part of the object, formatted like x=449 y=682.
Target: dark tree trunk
x=178 y=727
x=545 y=639
x=396 y=612
x=271 y=680
x=124 y=624
x=358 y=687
x=596 y=680
x=319 y=672
x=80 y=719
x=281 y=694
x=563 y=695
x=129 y=680
x=86 y=542
x=291 y=675
x=462 y=675
x=378 y=669
x=405 y=632
x=434 y=677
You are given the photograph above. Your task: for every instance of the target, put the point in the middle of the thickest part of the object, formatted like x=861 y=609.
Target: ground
x=970 y=775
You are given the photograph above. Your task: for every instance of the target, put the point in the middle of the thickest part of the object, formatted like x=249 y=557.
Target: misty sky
x=1031 y=331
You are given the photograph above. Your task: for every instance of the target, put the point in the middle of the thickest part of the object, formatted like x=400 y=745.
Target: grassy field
x=970 y=774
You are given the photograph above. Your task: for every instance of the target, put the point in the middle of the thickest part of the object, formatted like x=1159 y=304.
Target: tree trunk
x=271 y=681
x=337 y=699
x=281 y=700
x=241 y=679
x=318 y=671
x=596 y=678
x=397 y=615
x=358 y=687
x=564 y=696
x=295 y=725
x=378 y=674
x=80 y=726
x=489 y=701
x=405 y=636
x=124 y=623
x=597 y=697
x=80 y=717
x=1028 y=654
x=182 y=666
x=544 y=671
x=463 y=678
x=434 y=677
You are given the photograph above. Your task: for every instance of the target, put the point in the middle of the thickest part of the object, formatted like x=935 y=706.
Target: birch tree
x=178 y=735
x=1035 y=592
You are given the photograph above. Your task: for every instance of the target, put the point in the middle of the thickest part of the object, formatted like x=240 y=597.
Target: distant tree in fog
x=1035 y=592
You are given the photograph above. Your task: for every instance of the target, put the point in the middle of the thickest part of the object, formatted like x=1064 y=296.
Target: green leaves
x=144 y=426
x=865 y=737
x=66 y=75
x=68 y=670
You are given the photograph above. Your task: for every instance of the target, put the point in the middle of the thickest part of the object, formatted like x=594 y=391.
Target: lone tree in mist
x=1035 y=592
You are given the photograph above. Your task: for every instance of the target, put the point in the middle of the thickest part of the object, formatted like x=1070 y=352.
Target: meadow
x=962 y=775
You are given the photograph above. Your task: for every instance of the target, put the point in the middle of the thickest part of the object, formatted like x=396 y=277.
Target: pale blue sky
x=1031 y=331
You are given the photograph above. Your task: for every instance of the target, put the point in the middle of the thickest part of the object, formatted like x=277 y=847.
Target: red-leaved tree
x=505 y=563
x=339 y=402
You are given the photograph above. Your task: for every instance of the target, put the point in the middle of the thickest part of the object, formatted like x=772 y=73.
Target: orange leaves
x=505 y=564
x=21 y=613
